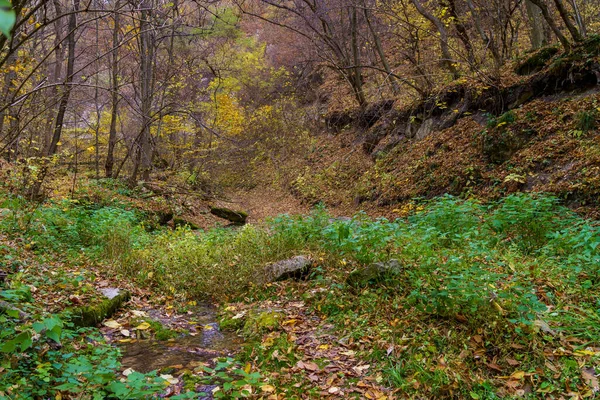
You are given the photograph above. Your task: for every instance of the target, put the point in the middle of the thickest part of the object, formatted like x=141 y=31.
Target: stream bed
x=204 y=342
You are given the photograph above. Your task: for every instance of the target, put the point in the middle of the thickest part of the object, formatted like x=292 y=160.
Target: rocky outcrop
x=235 y=217
x=548 y=73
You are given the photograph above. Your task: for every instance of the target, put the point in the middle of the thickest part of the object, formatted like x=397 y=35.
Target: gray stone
x=373 y=274
x=110 y=292
x=425 y=129
x=297 y=268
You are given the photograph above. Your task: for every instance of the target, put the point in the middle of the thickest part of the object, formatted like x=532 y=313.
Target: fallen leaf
x=307 y=365
x=112 y=324
x=333 y=390
x=517 y=375
x=512 y=362
x=169 y=378
x=590 y=378
x=267 y=388
x=143 y=326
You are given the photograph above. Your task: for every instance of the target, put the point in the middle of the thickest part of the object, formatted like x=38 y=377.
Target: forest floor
x=492 y=301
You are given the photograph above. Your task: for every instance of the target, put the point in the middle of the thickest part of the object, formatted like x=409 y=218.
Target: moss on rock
x=92 y=315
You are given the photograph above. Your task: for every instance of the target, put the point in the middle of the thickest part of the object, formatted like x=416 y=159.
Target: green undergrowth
x=43 y=355
x=489 y=300
x=485 y=300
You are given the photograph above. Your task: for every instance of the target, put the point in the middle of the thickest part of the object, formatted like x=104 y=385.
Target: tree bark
x=536 y=22
x=550 y=20
x=447 y=61
x=114 y=77
x=64 y=101
x=143 y=162
x=357 y=70
x=566 y=17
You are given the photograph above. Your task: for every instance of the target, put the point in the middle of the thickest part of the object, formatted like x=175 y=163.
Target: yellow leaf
x=112 y=324
x=248 y=368
x=324 y=347
x=143 y=326
x=267 y=388
x=582 y=353
x=517 y=375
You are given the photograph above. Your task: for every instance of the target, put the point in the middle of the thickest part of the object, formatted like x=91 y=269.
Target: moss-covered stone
x=236 y=217
x=180 y=222
x=92 y=315
x=261 y=321
x=231 y=323
x=373 y=274
x=537 y=61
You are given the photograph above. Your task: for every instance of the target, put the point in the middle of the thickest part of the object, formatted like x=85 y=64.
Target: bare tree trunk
x=461 y=30
x=488 y=41
x=56 y=72
x=143 y=162
x=447 y=57
x=114 y=69
x=381 y=52
x=357 y=70
x=536 y=22
x=12 y=136
x=550 y=20
x=64 y=101
x=579 y=18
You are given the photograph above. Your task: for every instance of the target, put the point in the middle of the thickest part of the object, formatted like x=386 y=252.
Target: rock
x=92 y=315
x=500 y=144
x=180 y=222
x=260 y=321
x=297 y=268
x=373 y=273
x=237 y=217
x=425 y=129
x=110 y=293
x=537 y=61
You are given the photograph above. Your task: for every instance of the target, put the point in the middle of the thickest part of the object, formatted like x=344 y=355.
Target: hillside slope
x=537 y=132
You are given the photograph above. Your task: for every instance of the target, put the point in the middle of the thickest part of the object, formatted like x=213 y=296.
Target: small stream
x=204 y=343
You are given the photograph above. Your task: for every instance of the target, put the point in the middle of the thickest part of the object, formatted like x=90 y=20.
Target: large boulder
x=373 y=274
x=235 y=217
x=297 y=268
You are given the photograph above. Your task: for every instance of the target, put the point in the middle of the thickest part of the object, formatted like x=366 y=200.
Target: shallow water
x=204 y=343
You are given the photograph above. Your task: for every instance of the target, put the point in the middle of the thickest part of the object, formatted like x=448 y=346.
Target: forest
x=299 y=199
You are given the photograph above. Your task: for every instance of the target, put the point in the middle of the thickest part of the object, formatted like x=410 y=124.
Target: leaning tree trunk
x=550 y=20
x=446 y=56
x=566 y=17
